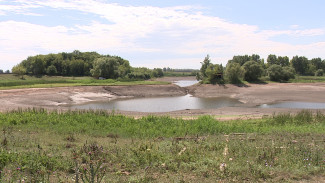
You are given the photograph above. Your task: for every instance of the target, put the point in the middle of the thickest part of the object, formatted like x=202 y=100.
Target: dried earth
x=250 y=95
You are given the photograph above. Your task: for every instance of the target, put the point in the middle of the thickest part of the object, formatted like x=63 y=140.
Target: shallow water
x=161 y=104
x=295 y=105
x=185 y=83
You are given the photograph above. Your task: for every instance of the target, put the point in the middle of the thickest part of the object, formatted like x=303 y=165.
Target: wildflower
x=222 y=166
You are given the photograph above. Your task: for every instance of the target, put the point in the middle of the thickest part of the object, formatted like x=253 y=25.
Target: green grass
x=308 y=79
x=10 y=81
x=43 y=146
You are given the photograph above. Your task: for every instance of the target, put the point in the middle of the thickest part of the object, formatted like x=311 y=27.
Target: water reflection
x=161 y=104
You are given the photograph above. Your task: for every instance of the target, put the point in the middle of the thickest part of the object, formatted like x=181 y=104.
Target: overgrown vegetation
x=252 y=68
x=83 y=64
x=94 y=146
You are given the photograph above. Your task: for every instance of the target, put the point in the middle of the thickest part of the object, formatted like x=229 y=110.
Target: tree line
x=79 y=63
x=251 y=68
x=4 y=72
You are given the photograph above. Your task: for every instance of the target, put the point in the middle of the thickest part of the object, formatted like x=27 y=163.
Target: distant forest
x=240 y=68
x=79 y=63
x=252 y=67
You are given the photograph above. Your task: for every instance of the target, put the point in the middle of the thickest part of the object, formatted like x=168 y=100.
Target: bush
x=278 y=73
x=234 y=73
x=51 y=70
x=253 y=70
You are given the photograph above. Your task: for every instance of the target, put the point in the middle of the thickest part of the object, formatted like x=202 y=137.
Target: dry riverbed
x=250 y=95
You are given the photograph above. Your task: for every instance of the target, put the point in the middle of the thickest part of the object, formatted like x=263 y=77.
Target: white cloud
x=20 y=7
x=295 y=33
x=177 y=30
x=294 y=26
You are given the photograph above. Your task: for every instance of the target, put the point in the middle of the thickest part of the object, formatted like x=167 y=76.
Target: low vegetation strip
x=43 y=146
x=10 y=81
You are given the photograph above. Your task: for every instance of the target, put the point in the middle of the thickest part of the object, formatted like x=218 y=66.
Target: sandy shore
x=250 y=95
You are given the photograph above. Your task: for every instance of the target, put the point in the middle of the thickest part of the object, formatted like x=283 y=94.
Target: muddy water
x=161 y=104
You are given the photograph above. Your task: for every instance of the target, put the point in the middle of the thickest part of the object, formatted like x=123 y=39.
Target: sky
x=162 y=33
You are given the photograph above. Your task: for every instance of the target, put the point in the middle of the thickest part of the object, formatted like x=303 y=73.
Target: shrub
x=253 y=70
x=278 y=73
x=234 y=73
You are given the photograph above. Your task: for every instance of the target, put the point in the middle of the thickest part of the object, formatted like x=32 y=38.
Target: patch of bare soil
x=62 y=97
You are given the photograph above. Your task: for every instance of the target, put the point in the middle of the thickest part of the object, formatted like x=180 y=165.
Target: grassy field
x=10 y=81
x=43 y=146
x=308 y=79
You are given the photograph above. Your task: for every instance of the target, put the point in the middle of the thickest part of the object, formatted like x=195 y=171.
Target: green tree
x=234 y=73
x=1 y=71
x=214 y=74
x=252 y=71
x=271 y=60
x=124 y=69
x=311 y=69
x=37 y=65
x=317 y=62
x=19 y=70
x=204 y=65
x=283 y=61
x=278 y=73
x=300 y=64
x=139 y=73
x=105 y=67
x=158 y=72
x=77 y=67
x=210 y=73
x=51 y=70
x=319 y=72
x=240 y=59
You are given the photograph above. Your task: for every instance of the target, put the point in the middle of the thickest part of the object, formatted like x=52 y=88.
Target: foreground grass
x=42 y=146
x=10 y=81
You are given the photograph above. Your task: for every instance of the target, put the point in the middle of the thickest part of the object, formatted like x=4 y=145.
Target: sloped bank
x=61 y=97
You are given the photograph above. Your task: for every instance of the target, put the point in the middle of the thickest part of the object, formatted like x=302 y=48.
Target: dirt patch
x=251 y=95
x=255 y=94
x=61 y=97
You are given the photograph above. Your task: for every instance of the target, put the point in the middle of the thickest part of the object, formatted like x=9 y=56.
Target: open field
x=50 y=143
x=37 y=145
x=10 y=81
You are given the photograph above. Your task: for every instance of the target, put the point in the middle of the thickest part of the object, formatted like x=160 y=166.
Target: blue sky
x=162 y=33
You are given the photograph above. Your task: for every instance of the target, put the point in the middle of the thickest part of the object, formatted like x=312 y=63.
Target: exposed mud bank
x=251 y=96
